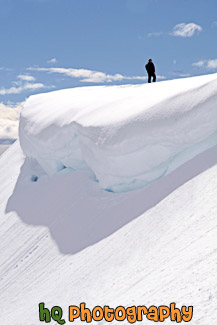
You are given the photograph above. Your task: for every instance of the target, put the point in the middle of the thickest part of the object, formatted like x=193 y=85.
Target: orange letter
x=131 y=314
x=85 y=313
x=95 y=310
x=110 y=311
x=189 y=313
x=73 y=315
x=141 y=309
x=152 y=313
x=175 y=314
x=164 y=312
x=123 y=312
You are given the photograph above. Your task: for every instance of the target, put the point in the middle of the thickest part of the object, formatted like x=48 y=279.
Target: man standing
x=151 y=70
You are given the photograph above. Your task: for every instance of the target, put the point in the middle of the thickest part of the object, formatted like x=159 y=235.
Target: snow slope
x=64 y=240
x=128 y=135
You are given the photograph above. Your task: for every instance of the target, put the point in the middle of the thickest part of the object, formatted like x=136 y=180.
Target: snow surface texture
x=64 y=241
x=128 y=136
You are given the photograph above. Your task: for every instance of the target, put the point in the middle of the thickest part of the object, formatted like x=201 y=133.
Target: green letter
x=44 y=313
x=56 y=313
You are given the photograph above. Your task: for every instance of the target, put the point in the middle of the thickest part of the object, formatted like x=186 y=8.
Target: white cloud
x=20 y=89
x=212 y=64
x=208 y=64
x=5 y=69
x=186 y=30
x=182 y=75
x=155 y=34
x=9 y=121
x=25 y=83
x=199 y=64
x=54 y=60
x=26 y=77
x=90 y=75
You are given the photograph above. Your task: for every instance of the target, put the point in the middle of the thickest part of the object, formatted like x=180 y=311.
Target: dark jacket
x=150 y=68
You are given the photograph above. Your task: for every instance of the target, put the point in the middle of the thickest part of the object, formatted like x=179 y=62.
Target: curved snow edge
x=129 y=136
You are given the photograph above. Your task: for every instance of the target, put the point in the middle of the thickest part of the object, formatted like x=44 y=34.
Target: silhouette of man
x=150 y=68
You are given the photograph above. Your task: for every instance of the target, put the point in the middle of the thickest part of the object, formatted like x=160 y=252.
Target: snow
x=3 y=148
x=65 y=240
x=128 y=136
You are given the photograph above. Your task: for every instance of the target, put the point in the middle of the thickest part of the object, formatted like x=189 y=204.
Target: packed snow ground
x=128 y=135
x=65 y=240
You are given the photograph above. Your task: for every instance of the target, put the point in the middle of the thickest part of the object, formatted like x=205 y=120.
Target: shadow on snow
x=78 y=213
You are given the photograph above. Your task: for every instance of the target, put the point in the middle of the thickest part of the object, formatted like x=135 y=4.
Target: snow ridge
x=128 y=136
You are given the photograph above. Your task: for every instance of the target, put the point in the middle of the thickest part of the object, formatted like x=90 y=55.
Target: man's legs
x=149 y=78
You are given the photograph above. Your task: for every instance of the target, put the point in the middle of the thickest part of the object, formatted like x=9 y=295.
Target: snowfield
x=65 y=240
x=128 y=136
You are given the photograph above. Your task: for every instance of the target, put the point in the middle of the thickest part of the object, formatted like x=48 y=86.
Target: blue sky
x=54 y=44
